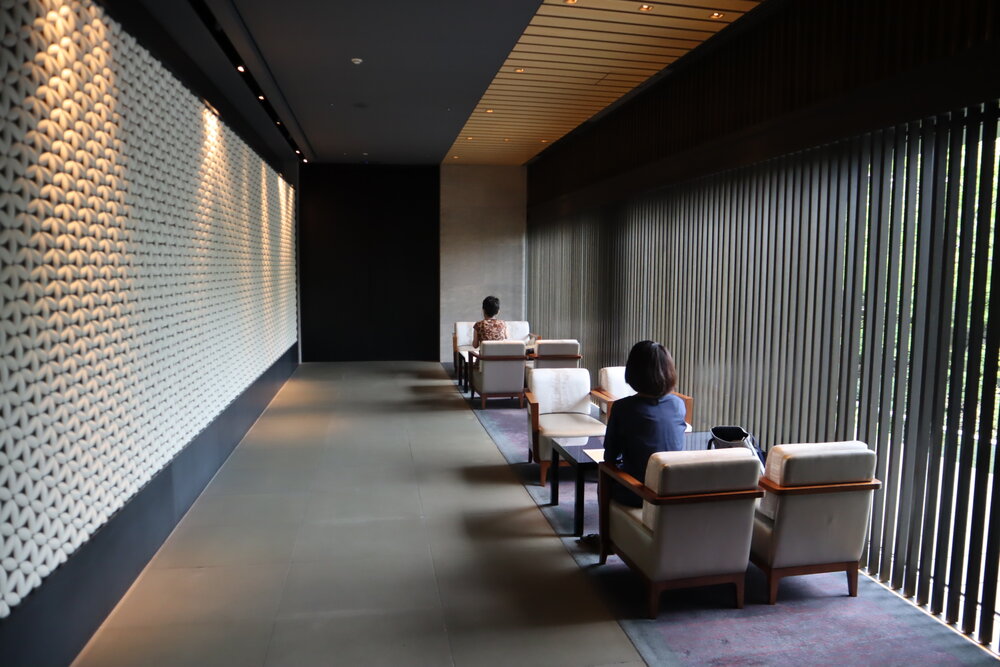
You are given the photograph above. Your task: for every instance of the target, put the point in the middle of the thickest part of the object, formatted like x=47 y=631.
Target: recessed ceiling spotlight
x=260 y=97
x=241 y=68
x=278 y=122
x=357 y=61
x=364 y=153
x=305 y=160
x=519 y=69
x=570 y=2
x=716 y=15
x=298 y=152
x=506 y=139
x=468 y=138
x=454 y=157
x=545 y=141
x=645 y=8
x=489 y=111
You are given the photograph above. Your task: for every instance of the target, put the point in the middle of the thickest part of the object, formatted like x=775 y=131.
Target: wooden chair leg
x=603 y=516
x=772 y=588
x=543 y=468
x=852 y=580
x=739 y=591
x=654 y=601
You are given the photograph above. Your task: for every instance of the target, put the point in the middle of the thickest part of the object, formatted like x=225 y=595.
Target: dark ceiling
x=426 y=65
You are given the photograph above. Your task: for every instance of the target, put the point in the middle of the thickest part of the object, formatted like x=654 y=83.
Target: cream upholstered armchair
x=695 y=523
x=521 y=330
x=558 y=407
x=497 y=370
x=557 y=353
x=554 y=353
x=461 y=345
x=612 y=386
x=815 y=511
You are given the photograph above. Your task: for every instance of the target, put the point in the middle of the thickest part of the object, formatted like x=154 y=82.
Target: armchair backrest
x=463 y=333
x=501 y=374
x=518 y=330
x=690 y=539
x=818 y=527
x=698 y=471
x=612 y=380
x=561 y=389
x=557 y=347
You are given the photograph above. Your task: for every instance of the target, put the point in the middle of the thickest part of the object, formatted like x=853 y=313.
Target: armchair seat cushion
x=565 y=425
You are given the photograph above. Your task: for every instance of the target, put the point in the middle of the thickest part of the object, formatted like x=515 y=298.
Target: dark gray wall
x=368 y=253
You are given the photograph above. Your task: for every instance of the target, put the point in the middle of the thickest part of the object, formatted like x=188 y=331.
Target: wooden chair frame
x=543 y=466
x=534 y=356
x=609 y=474
x=776 y=574
x=459 y=362
x=519 y=395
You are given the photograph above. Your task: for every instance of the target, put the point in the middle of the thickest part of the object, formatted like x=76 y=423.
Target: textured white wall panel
x=147 y=276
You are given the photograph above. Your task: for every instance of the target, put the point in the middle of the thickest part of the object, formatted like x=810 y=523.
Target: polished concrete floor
x=366 y=519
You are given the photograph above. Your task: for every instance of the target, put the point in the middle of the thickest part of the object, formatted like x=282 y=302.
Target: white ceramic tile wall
x=147 y=276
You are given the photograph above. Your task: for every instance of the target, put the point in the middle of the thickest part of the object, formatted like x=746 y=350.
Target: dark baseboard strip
x=57 y=619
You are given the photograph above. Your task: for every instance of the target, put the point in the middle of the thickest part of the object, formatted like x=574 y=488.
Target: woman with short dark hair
x=649 y=422
x=489 y=328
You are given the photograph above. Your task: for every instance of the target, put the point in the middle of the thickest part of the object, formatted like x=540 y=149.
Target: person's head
x=650 y=369
x=491 y=306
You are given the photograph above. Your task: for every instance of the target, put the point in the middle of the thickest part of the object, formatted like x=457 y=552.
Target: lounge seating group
x=705 y=514
x=701 y=521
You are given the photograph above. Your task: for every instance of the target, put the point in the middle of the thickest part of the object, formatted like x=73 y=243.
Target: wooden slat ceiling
x=573 y=60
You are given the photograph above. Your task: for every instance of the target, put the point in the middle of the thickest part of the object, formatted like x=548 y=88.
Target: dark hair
x=491 y=306
x=650 y=369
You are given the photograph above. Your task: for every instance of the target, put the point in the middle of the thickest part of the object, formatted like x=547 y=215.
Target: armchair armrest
x=532 y=411
x=767 y=485
x=688 y=405
x=497 y=357
x=602 y=396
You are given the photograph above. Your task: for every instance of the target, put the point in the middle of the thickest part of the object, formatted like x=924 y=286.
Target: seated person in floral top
x=489 y=328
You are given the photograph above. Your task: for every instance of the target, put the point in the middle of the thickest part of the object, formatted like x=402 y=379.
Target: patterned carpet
x=814 y=622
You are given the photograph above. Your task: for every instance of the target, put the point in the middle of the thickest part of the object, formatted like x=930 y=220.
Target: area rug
x=814 y=623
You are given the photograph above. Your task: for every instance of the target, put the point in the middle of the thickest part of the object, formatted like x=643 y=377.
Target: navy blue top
x=639 y=427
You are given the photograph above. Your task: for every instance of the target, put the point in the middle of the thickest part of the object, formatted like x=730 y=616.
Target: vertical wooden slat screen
x=840 y=292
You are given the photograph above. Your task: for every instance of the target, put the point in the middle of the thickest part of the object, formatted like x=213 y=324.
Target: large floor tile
x=175 y=645
x=214 y=545
x=380 y=582
x=258 y=480
x=239 y=509
x=201 y=595
x=356 y=503
x=411 y=638
x=475 y=644
x=358 y=540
